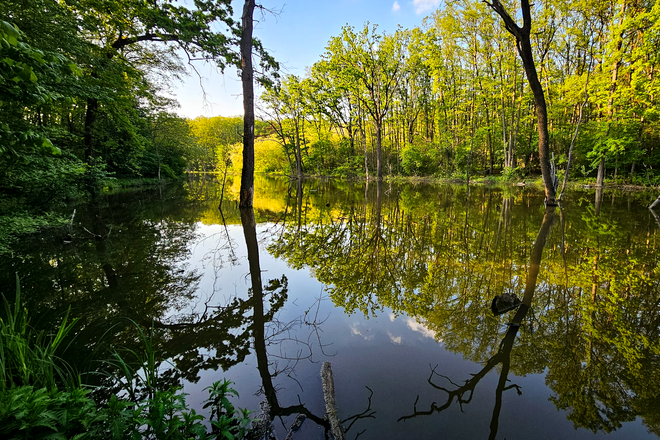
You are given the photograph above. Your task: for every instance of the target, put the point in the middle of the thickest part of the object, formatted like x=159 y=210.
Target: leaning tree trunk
x=524 y=44
x=247 y=174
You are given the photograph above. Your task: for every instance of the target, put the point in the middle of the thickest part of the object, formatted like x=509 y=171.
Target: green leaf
x=9 y=33
x=75 y=69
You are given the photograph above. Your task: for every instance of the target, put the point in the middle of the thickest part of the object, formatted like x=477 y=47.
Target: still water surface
x=392 y=284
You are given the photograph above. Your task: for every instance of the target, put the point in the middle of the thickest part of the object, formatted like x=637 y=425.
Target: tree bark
x=601 y=172
x=247 y=173
x=299 y=171
x=524 y=45
x=654 y=204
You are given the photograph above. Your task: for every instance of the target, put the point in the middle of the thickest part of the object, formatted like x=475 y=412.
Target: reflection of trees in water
x=463 y=394
x=409 y=249
x=267 y=332
x=420 y=253
x=125 y=265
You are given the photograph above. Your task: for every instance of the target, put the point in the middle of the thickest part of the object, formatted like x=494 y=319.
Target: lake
x=393 y=284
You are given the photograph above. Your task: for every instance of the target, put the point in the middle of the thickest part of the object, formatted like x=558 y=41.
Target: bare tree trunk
x=601 y=172
x=524 y=44
x=247 y=174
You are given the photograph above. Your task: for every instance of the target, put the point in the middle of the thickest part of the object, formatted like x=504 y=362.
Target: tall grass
x=33 y=405
x=140 y=380
x=28 y=357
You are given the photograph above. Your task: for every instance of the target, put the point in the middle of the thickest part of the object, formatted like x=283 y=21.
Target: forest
x=85 y=96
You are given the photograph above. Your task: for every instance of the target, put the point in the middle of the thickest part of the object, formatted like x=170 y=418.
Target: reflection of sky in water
x=390 y=354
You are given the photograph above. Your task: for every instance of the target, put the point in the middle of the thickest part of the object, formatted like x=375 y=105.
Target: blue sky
x=296 y=37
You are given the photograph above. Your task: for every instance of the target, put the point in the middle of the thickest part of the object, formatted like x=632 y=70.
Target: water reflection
x=423 y=259
x=278 y=289
x=434 y=258
x=260 y=320
x=463 y=394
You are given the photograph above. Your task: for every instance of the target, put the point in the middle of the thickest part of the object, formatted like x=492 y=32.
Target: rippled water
x=393 y=284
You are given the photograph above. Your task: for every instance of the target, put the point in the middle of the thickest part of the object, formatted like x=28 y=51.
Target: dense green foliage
x=454 y=92
x=83 y=93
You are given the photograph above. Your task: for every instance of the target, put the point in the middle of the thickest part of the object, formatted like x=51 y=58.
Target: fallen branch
x=329 y=397
x=657 y=219
x=654 y=204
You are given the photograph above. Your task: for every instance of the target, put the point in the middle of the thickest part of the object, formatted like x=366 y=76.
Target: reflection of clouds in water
x=419 y=328
x=355 y=331
x=394 y=339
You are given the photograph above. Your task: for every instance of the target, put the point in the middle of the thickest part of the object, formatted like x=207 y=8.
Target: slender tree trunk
x=514 y=123
x=379 y=140
x=158 y=156
x=224 y=181
x=525 y=51
x=601 y=172
x=298 y=152
x=247 y=174
x=364 y=143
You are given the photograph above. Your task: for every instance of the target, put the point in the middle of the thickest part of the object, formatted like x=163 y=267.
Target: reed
x=29 y=357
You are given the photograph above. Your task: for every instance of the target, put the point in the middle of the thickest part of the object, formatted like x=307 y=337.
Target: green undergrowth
x=41 y=397
x=111 y=184
x=16 y=223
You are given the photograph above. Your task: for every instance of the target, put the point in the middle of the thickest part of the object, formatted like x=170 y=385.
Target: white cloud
x=419 y=328
x=395 y=7
x=356 y=332
x=394 y=339
x=422 y=6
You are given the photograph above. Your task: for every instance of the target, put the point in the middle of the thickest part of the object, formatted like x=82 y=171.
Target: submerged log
x=329 y=397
